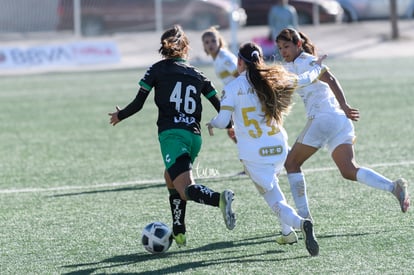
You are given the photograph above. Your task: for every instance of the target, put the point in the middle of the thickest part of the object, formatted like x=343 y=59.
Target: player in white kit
x=225 y=62
x=257 y=101
x=329 y=124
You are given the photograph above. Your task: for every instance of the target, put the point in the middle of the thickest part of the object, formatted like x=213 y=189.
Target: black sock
x=178 y=212
x=202 y=194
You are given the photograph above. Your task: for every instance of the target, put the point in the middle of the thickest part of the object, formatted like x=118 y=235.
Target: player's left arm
x=214 y=100
x=336 y=88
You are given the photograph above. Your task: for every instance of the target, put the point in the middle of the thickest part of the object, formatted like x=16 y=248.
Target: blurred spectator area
x=28 y=15
x=100 y=16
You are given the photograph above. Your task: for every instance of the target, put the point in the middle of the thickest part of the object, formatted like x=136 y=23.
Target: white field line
x=139 y=182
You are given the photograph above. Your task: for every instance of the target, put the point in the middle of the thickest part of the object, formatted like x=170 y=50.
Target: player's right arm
x=131 y=108
x=315 y=72
x=223 y=118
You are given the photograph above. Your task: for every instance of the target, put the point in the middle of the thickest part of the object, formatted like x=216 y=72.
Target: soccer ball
x=156 y=237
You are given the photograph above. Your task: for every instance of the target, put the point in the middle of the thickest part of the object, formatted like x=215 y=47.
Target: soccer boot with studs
x=226 y=199
x=401 y=193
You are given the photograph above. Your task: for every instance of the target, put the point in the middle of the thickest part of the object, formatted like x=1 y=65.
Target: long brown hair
x=273 y=84
x=294 y=36
x=174 y=43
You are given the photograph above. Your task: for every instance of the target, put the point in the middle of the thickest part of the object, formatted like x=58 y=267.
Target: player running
x=178 y=88
x=258 y=100
x=329 y=124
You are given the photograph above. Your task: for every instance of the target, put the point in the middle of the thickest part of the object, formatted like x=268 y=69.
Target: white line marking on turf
x=138 y=182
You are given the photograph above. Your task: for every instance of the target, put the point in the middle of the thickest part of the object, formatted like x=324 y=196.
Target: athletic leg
x=298 y=154
x=189 y=190
x=343 y=155
x=288 y=215
x=277 y=202
x=178 y=207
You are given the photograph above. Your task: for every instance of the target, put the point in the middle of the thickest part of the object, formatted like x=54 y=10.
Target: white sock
x=286 y=229
x=373 y=179
x=286 y=214
x=298 y=188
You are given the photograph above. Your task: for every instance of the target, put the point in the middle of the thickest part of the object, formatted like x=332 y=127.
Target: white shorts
x=327 y=129
x=263 y=175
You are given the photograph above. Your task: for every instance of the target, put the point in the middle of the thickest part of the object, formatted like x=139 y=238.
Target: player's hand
x=320 y=59
x=351 y=113
x=114 y=117
x=210 y=129
x=231 y=135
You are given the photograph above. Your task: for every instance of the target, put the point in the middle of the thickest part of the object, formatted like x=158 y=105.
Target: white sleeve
x=226 y=109
x=308 y=77
x=230 y=65
x=222 y=119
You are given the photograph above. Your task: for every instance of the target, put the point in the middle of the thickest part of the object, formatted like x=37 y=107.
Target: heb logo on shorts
x=70 y=54
x=270 y=151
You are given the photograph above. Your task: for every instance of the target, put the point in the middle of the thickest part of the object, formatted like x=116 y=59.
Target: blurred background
x=30 y=23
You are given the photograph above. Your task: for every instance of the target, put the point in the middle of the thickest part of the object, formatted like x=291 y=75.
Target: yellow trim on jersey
x=224 y=74
x=324 y=70
x=227 y=108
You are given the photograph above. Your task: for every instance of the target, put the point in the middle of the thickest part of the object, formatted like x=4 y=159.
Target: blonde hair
x=213 y=32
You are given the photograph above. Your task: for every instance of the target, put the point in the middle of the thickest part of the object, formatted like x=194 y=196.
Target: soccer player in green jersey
x=178 y=88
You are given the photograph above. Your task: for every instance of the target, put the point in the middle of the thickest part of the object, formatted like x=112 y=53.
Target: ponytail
x=272 y=84
x=307 y=44
x=174 y=43
x=292 y=35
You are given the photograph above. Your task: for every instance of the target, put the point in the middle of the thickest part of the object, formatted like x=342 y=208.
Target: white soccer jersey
x=317 y=97
x=257 y=140
x=225 y=66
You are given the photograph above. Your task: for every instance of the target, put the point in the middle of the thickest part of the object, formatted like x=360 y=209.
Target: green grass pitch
x=76 y=192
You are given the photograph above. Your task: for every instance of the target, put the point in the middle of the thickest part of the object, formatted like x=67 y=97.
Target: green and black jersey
x=178 y=88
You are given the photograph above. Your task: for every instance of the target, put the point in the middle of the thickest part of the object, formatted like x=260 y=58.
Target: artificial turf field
x=76 y=192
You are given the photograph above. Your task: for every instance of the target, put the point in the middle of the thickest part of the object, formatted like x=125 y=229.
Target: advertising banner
x=70 y=54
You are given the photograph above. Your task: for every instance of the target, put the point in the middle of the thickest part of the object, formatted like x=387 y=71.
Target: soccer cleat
x=309 y=217
x=310 y=240
x=180 y=239
x=290 y=238
x=401 y=193
x=226 y=198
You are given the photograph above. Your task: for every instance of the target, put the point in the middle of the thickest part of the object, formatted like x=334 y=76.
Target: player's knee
x=287 y=166
x=349 y=174
x=291 y=166
x=182 y=164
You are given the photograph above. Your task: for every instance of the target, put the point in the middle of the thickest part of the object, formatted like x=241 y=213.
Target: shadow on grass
x=140 y=186
x=122 y=189
x=210 y=250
